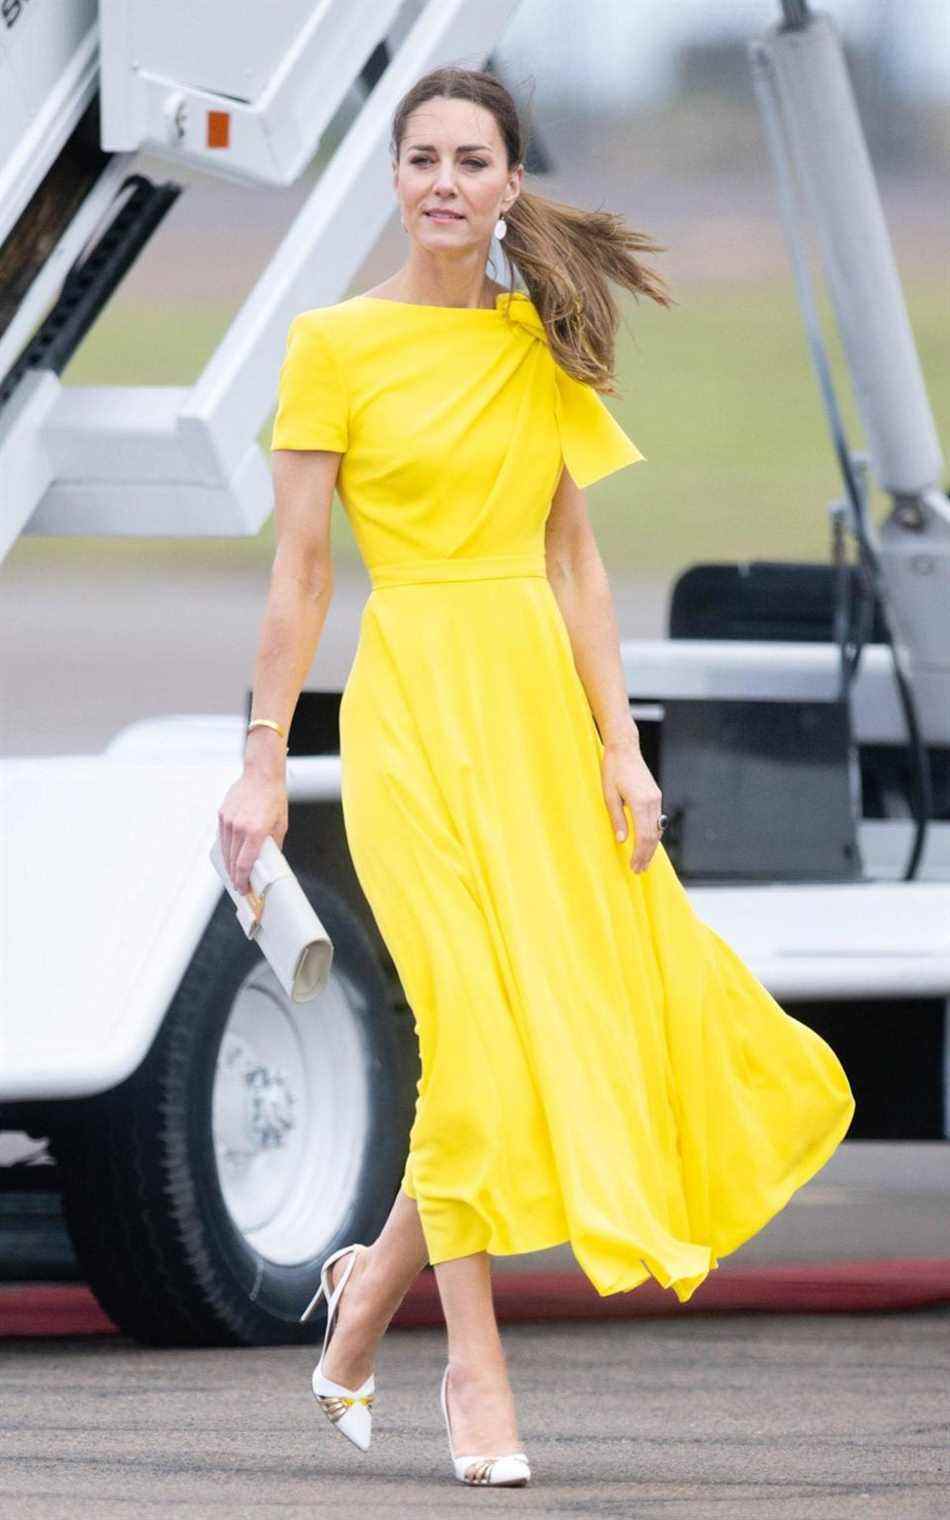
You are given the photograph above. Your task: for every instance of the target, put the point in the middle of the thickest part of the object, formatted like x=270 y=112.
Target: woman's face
x=452 y=161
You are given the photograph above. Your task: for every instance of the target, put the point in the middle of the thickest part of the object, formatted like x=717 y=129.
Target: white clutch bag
x=278 y=915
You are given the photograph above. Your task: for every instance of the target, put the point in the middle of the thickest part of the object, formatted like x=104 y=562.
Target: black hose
x=923 y=790
x=852 y=641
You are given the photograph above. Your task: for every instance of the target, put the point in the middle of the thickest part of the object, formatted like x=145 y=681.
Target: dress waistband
x=479 y=568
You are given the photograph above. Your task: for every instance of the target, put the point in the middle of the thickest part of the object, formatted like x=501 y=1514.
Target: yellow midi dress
x=598 y=1066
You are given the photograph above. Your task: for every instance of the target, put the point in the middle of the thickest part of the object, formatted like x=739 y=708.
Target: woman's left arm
x=579 y=582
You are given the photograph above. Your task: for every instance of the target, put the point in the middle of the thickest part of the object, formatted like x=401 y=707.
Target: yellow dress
x=597 y=1065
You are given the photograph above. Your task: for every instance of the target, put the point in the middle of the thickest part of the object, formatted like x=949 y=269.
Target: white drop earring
x=501 y=227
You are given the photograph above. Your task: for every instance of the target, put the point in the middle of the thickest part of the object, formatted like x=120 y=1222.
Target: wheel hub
x=256 y=1104
x=289 y=1114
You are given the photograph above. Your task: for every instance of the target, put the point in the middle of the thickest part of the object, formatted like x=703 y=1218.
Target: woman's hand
x=254 y=808
x=627 y=779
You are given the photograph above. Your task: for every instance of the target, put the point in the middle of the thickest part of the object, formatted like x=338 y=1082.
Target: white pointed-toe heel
x=478 y=1470
x=349 y=1409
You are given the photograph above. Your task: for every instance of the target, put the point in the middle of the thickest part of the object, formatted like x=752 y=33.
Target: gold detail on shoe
x=336 y=1404
x=480 y=1472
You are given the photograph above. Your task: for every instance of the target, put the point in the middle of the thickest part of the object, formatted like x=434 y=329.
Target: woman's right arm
x=301 y=587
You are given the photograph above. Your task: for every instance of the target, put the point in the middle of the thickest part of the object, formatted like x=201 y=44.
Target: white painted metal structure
x=184 y=461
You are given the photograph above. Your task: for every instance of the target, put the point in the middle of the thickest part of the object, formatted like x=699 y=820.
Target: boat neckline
x=488 y=311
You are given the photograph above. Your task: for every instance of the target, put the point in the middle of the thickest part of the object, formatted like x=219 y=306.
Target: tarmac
x=737 y=1417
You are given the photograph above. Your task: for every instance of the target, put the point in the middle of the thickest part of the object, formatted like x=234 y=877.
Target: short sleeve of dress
x=592 y=441
x=312 y=406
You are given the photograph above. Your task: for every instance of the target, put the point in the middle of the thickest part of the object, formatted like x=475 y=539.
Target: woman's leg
x=377 y=1285
x=481 y=1404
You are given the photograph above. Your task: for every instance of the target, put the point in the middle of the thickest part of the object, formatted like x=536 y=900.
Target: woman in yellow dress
x=597 y=1065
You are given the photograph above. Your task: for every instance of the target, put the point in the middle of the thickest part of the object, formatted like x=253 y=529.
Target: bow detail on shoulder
x=593 y=443
x=519 y=307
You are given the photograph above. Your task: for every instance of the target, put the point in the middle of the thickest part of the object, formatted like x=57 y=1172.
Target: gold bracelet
x=267 y=723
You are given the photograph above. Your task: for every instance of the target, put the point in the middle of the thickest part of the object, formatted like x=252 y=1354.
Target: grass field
x=718 y=393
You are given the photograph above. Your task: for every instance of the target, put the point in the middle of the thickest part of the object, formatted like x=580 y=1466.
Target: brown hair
x=565 y=254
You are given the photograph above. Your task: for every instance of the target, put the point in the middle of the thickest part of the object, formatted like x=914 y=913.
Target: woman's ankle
x=477 y=1364
x=380 y=1293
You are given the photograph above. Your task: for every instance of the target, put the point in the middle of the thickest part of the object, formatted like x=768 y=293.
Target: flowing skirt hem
x=685 y=1285
x=810 y=1164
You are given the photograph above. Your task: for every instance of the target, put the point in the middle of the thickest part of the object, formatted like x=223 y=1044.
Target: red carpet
x=783 y=1288
x=53 y=1309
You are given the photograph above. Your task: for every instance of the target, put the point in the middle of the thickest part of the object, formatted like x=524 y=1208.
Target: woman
x=598 y=1066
